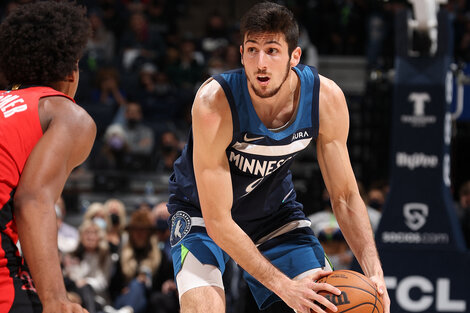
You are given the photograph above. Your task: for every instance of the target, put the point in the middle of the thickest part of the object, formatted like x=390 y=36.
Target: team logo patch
x=180 y=227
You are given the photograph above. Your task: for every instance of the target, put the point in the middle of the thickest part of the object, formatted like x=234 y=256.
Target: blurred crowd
x=138 y=77
x=140 y=70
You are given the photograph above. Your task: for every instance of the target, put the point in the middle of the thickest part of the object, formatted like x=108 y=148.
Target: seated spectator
x=99 y=50
x=140 y=43
x=96 y=212
x=375 y=201
x=160 y=217
x=116 y=211
x=67 y=235
x=171 y=148
x=88 y=267
x=216 y=36
x=114 y=153
x=109 y=93
x=139 y=136
x=186 y=70
x=141 y=265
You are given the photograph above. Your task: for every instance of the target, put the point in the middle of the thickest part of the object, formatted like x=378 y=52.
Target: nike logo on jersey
x=251 y=139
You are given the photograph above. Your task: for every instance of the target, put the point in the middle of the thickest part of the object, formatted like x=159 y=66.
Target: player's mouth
x=263 y=80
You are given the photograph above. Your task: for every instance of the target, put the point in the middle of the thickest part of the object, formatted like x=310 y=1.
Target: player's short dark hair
x=271 y=18
x=41 y=42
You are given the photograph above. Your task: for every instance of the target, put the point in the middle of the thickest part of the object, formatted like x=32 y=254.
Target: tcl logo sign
x=425 y=294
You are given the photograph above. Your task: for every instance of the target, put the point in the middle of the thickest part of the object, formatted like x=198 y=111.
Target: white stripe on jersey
x=254 y=149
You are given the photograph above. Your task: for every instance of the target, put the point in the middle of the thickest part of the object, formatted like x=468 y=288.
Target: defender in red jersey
x=43 y=136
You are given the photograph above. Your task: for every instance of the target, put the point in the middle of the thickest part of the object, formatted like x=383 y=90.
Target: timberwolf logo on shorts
x=180 y=227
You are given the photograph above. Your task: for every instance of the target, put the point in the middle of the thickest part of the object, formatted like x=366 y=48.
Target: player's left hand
x=380 y=285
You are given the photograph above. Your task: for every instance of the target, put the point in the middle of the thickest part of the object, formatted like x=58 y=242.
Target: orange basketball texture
x=358 y=293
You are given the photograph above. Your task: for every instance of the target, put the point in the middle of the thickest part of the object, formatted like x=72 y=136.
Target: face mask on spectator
x=101 y=222
x=162 y=89
x=115 y=219
x=131 y=123
x=116 y=143
x=375 y=204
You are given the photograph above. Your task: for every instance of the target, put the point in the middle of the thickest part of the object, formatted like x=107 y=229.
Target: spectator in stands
x=139 y=136
x=162 y=104
x=185 y=70
x=375 y=201
x=114 y=153
x=116 y=211
x=171 y=148
x=110 y=94
x=89 y=265
x=100 y=47
x=67 y=235
x=232 y=57
x=96 y=212
x=140 y=43
x=141 y=265
x=216 y=36
x=160 y=217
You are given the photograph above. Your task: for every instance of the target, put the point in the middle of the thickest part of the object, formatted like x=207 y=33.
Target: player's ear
x=241 y=54
x=295 y=56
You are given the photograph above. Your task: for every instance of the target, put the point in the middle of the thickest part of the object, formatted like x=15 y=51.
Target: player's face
x=267 y=62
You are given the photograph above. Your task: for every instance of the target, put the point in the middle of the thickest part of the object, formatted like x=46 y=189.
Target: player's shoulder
x=329 y=88
x=331 y=95
x=63 y=110
x=211 y=97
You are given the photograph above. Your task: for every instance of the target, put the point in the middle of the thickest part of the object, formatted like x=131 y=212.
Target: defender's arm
x=65 y=144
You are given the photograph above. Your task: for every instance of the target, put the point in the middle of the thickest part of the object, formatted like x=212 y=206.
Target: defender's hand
x=302 y=295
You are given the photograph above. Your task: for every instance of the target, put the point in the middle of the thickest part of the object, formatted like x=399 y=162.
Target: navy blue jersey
x=259 y=158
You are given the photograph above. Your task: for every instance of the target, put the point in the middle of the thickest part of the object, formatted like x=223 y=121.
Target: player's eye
x=272 y=51
x=251 y=50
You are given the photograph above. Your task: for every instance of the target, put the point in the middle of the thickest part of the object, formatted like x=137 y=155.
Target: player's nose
x=262 y=60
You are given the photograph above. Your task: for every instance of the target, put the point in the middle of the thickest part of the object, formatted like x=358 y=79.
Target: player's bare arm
x=212 y=128
x=69 y=133
x=340 y=181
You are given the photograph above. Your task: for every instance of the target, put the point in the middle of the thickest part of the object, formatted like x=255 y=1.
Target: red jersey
x=20 y=130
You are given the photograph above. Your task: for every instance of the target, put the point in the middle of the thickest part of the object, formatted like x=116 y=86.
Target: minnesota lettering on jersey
x=254 y=166
x=11 y=104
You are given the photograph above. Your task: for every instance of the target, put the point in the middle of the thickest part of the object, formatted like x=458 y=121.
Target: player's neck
x=277 y=110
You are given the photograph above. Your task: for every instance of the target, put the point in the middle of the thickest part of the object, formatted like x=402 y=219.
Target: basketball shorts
x=293 y=253
x=17 y=293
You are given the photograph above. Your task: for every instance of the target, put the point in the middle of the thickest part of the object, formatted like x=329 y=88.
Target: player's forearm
x=37 y=231
x=353 y=219
x=233 y=240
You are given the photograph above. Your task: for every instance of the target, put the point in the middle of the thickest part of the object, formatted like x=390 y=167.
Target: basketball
x=358 y=293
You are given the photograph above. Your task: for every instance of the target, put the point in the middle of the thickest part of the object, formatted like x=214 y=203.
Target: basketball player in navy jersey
x=43 y=136
x=248 y=124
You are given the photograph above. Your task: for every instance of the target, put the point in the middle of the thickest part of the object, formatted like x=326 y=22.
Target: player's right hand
x=62 y=306
x=302 y=295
